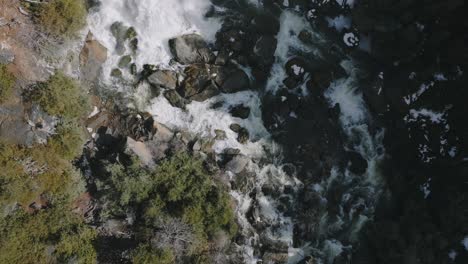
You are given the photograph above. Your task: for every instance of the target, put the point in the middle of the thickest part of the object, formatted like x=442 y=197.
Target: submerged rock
x=242 y=133
x=190 y=48
x=240 y=111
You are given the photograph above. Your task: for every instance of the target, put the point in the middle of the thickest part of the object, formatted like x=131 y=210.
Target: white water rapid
x=155 y=22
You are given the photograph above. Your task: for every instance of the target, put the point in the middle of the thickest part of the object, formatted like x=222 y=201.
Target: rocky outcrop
x=163 y=79
x=191 y=48
x=92 y=56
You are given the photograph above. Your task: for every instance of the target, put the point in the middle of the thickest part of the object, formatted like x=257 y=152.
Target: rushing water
x=158 y=20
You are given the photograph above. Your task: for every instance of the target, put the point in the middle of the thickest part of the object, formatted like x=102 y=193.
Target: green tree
x=61 y=96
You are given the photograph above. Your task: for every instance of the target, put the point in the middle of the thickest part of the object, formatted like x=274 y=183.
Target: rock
x=119 y=31
x=267 y=23
x=125 y=61
x=141 y=151
x=175 y=99
x=163 y=133
x=26 y=128
x=265 y=48
x=163 y=78
x=222 y=58
x=242 y=133
x=220 y=134
x=92 y=56
x=6 y=56
x=131 y=33
x=296 y=68
x=232 y=80
x=356 y=164
x=237 y=164
x=190 y=48
x=84 y=206
x=231 y=151
x=197 y=85
x=240 y=111
x=116 y=73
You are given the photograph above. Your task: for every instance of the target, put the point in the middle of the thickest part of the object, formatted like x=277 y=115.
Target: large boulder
x=190 y=48
x=163 y=78
x=197 y=84
x=92 y=56
x=231 y=79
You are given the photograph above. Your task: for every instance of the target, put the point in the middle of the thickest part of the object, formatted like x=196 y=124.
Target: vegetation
x=7 y=81
x=146 y=255
x=178 y=198
x=61 y=96
x=62 y=17
x=38 y=185
x=49 y=236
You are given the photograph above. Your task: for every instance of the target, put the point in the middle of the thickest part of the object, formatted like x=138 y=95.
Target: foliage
x=68 y=141
x=50 y=235
x=7 y=81
x=144 y=254
x=62 y=17
x=180 y=206
x=61 y=96
x=179 y=187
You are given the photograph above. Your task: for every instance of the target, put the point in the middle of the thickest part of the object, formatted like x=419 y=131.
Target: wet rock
x=240 y=111
x=119 y=31
x=116 y=73
x=242 y=133
x=231 y=79
x=277 y=258
x=265 y=48
x=267 y=23
x=222 y=58
x=92 y=56
x=125 y=61
x=198 y=85
x=237 y=164
x=175 y=99
x=163 y=78
x=296 y=68
x=357 y=164
x=220 y=134
x=190 y=48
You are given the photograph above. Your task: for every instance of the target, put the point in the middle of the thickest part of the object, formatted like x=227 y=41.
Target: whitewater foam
x=155 y=23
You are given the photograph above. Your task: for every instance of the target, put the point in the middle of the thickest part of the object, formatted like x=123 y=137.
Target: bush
x=179 y=189
x=7 y=81
x=62 y=17
x=61 y=96
x=144 y=254
x=52 y=235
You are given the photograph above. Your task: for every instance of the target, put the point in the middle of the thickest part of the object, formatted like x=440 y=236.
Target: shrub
x=180 y=189
x=61 y=96
x=52 y=235
x=6 y=83
x=144 y=254
x=62 y=17
x=68 y=141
